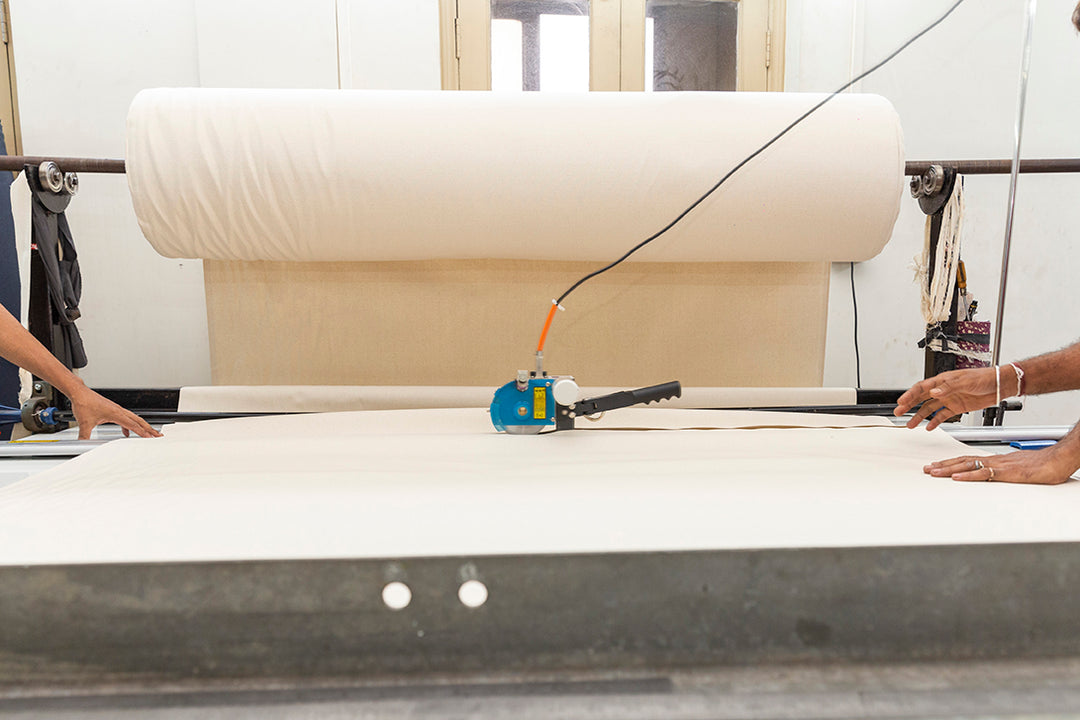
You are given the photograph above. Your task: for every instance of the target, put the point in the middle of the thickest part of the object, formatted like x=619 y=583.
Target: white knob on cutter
x=565 y=391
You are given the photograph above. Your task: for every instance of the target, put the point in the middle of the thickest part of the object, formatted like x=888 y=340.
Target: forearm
x=21 y=348
x=1052 y=372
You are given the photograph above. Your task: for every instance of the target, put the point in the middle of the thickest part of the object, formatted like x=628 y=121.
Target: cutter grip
x=655 y=393
x=626 y=398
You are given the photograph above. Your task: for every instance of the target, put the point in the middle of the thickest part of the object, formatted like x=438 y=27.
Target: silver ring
x=991 y=478
x=978 y=465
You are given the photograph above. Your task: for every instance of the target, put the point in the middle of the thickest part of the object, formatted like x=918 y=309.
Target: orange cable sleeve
x=547 y=326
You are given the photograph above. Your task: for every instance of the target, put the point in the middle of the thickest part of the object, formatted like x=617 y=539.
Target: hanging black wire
x=757 y=152
x=855 y=324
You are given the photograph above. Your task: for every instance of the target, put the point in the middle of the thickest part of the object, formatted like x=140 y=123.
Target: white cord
x=997 y=372
x=1019 y=379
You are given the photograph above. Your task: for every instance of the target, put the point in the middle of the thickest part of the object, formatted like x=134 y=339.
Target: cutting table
x=664 y=562
x=413 y=562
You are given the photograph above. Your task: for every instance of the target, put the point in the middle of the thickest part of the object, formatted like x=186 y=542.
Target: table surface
x=417 y=483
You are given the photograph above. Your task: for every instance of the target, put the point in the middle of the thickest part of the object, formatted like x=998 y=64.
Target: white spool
x=565 y=391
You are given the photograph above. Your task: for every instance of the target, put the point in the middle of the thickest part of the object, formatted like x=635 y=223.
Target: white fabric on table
x=441 y=482
x=337 y=398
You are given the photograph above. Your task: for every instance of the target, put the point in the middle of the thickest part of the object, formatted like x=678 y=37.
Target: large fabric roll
x=313 y=175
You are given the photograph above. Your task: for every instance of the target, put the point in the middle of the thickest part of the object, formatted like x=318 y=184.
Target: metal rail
x=996 y=167
x=912 y=167
x=48 y=448
x=1005 y=435
x=166 y=416
x=1014 y=177
x=66 y=164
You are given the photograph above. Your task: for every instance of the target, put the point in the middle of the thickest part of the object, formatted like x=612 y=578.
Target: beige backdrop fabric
x=477 y=322
x=331 y=175
x=443 y=483
x=338 y=398
x=453 y=218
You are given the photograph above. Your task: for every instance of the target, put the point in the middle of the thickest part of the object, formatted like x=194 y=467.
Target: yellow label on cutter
x=539 y=403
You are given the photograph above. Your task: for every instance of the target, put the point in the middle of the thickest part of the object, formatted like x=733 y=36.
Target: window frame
x=616 y=45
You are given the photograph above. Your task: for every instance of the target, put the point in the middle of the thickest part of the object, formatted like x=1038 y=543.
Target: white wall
x=389 y=45
x=955 y=91
x=78 y=64
x=144 y=316
x=261 y=44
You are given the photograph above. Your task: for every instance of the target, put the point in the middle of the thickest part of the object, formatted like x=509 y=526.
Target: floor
x=1003 y=689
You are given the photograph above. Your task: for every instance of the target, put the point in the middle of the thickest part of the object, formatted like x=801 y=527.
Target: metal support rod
x=912 y=167
x=67 y=164
x=1025 y=66
x=164 y=416
x=1001 y=434
x=996 y=167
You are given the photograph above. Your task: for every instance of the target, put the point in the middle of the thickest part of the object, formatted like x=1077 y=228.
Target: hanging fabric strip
x=938 y=283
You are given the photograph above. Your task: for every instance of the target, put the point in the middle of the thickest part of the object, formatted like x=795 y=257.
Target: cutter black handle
x=626 y=398
x=655 y=393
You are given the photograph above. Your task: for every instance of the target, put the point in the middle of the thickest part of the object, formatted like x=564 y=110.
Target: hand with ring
x=1038 y=467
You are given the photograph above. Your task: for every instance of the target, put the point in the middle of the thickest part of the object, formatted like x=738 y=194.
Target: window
x=691 y=45
x=653 y=45
x=540 y=45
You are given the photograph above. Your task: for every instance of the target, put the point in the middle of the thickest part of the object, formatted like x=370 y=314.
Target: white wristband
x=1019 y=379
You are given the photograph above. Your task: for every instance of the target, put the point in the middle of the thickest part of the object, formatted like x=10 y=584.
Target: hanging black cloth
x=52 y=237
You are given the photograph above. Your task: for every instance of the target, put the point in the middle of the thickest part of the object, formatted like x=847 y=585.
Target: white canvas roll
x=339 y=398
x=325 y=175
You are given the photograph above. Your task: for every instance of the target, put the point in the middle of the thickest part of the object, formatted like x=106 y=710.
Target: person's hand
x=92 y=410
x=950 y=393
x=1036 y=467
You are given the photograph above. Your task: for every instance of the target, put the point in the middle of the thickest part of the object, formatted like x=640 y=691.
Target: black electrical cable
x=757 y=152
x=855 y=324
